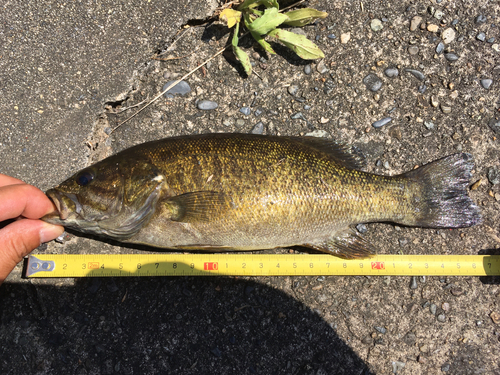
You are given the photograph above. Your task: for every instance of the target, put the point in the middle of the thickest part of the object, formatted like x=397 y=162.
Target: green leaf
x=239 y=53
x=298 y=43
x=303 y=17
x=271 y=4
x=249 y=4
x=265 y=45
x=269 y=21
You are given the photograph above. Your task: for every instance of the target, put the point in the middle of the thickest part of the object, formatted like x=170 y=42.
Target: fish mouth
x=67 y=205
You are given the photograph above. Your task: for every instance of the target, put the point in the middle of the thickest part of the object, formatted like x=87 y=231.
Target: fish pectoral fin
x=198 y=206
x=345 y=244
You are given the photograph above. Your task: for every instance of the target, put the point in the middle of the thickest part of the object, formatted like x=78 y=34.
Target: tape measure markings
x=125 y=265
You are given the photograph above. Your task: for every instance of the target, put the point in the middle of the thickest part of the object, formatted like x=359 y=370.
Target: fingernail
x=50 y=232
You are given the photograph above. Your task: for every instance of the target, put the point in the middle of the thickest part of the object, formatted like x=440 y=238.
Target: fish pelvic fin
x=345 y=244
x=442 y=201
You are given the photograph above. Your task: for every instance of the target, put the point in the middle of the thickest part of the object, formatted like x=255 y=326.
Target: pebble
x=372 y=82
x=206 y=105
x=345 y=37
x=321 y=67
x=318 y=134
x=293 y=89
x=380 y=123
x=434 y=101
x=391 y=72
x=481 y=36
x=495 y=317
x=422 y=88
x=397 y=366
x=494 y=124
x=413 y=50
x=361 y=228
x=415 y=21
x=445 y=306
x=376 y=24
x=493 y=176
x=450 y=56
x=240 y=122
x=441 y=318
x=433 y=308
x=432 y=28
x=457 y=291
x=382 y=330
x=257 y=112
x=298 y=115
x=480 y=19
x=496 y=47
x=386 y=165
x=416 y=73
x=246 y=111
x=429 y=125
x=445 y=109
x=413 y=282
x=445 y=367
x=258 y=128
x=438 y=14
x=491 y=40
x=307 y=69
x=182 y=88
x=448 y=35
x=486 y=83
x=440 y=48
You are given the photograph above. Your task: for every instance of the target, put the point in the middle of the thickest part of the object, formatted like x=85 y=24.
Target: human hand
x=25 y=203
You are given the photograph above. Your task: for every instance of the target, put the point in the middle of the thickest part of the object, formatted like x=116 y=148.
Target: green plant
x=261 y=18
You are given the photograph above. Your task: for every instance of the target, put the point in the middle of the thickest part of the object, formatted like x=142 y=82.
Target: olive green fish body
x=249 y=192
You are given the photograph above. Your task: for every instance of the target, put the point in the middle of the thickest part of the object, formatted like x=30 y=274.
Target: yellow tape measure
x=238 y=264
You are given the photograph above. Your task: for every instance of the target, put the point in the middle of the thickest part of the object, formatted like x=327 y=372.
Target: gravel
x=416 y=73
x=391 y=72
x=376 y=25
x=206 y=105
x=481 y=36
x=246 y=111
x=372 y=82
x=182 y=88
x=486 y=83
x=258 y=128
x=450 y=56
x=382 y=122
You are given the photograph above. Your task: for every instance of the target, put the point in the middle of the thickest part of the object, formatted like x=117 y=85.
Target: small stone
x=345 y=37
x=438 y=14
x=479 y=323
x=391 y=72
x=445 y=367
x=457 y=291
x=413 y=282
x=495 y=317
x=496 y=47
x=258 y=128
x=376 y=24
x=367 y=340
x=331 y=36
x=361 y=228
x=298 y=116
x=321 y=67
x=493 y=176
x=422 y=88
x=450 y=56
x=380 y=123
x=182 y=88
x=424 y=348
x=486 y=83
x=246 y=111
x=293 y=89
x=448 y=35
x=372 y=82
x=445 y=306
x=410 y=339
x=206 y=105
x=397 y=366
x=413 y=50
x=323 y=120
x=434 y=101
x=441 y=318
x=429 y=125
x=494 y=124
x=307 y=69
x=415 y=21
x=386 y=165
x=440 y=48
x=432 y=28
x=481 y=36
x=433 y=308
x=416 y=73
x=491 y=40
x=240 y=122
x=481 y=19
x=445 y=109
x=318 y=134
x=381 y=330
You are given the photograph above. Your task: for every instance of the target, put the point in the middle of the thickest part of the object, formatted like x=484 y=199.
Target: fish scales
x=248 y=192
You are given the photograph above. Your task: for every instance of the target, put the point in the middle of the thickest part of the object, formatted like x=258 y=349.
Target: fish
x=231 y=192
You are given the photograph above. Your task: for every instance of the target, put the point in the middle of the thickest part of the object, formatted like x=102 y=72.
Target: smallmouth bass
x=251 y=192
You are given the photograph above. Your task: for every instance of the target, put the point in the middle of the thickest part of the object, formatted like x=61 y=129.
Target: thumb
x=19 y=238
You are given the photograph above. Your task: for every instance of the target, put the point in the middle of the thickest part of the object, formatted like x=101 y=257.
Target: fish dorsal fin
x=345 y=244
x=348 y=156
x=198 y=206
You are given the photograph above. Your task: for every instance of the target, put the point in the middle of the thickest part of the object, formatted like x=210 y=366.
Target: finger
x=7 y=180
x=19 y=238
x=23 y=200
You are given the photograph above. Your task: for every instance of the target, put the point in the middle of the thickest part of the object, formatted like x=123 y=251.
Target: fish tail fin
x=442 y=200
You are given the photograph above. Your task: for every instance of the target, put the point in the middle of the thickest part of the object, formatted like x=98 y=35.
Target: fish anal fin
x=198 y=206
x=345 y=244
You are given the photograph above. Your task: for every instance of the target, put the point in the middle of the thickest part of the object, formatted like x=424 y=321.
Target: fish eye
x=83 y=178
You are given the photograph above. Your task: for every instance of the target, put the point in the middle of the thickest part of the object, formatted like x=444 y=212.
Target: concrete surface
x=65 y=68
